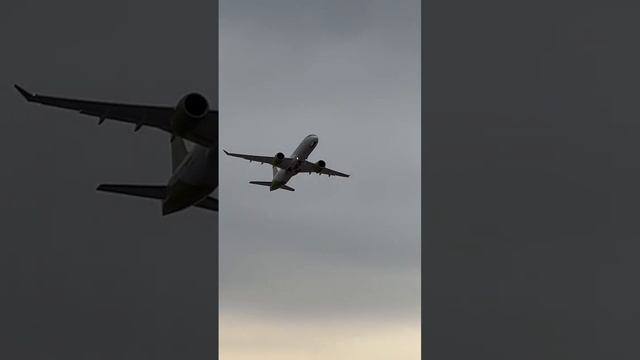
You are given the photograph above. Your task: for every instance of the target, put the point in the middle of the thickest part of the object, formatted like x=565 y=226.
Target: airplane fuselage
x=195 y=173
x=300 y=154
x=193 y=180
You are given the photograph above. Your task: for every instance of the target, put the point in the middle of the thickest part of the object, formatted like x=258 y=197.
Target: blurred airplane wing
x=139 y=115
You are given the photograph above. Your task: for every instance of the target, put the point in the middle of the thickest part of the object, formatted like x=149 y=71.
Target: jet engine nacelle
x=191 y=109
x=278 y=158
x=321 y=164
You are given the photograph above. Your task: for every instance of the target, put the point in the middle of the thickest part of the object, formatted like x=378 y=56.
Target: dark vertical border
x=529 y=179
x=216 y=276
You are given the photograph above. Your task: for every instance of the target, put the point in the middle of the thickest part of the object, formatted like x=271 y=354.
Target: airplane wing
x=139 y=115
x=283 y=164
x=310 y=167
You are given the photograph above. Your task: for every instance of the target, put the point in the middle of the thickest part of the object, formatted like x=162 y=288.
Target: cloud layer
x=339 y=249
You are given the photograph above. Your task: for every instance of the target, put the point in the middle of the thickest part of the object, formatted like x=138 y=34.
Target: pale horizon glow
x=257 y=338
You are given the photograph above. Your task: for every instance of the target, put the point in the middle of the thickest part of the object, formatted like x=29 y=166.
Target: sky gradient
x=332 y=269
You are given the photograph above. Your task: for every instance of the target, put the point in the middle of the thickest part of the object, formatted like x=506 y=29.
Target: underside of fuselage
x=282 y=176
x=181 y=195
x=194 y=177
x=172 y=201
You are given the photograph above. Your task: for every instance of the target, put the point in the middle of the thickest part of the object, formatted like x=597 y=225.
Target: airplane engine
x=278 y=159
x=321 y=164
x=190 y=110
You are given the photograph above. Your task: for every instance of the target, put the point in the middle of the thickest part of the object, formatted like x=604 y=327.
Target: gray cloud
x=349 y=72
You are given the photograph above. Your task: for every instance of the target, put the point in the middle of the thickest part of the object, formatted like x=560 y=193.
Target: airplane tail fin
x=178 y=152
x=154 y=192
x=268 y=183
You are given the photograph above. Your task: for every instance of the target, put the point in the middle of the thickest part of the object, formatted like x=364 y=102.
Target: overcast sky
x=88 y=275
x=330 y=269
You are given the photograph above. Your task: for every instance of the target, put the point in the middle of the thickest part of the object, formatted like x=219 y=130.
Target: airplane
x=284 y=168
x=194 y=173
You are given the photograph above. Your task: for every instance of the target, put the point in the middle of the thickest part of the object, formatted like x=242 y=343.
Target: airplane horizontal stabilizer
x=263 y=183
x=268 y=183
x=146 y=191
x=154 y=192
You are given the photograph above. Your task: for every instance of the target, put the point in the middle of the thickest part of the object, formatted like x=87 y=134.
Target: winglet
x=225 y=151
x=27 y=95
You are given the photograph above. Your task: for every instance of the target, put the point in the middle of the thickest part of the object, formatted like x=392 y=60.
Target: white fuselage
x=193 y=180
x=300 y=154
